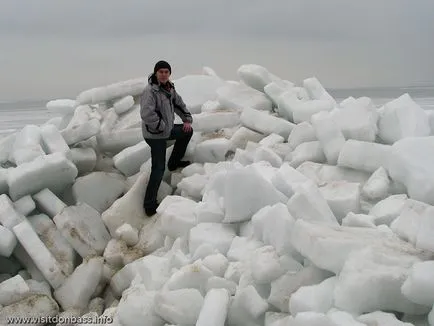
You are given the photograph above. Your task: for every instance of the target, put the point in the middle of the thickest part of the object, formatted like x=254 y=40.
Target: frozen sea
x=15 y=115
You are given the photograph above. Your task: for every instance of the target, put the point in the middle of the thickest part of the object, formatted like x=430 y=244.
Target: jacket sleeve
x=181 y=109
x=150 y=116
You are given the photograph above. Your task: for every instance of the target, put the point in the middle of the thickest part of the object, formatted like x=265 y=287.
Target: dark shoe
x=181 y=164
x=150 y=211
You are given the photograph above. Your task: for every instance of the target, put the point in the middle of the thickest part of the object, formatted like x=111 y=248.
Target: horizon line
x=332 y=89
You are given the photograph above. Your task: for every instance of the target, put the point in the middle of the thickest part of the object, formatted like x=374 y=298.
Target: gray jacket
x=157 y=110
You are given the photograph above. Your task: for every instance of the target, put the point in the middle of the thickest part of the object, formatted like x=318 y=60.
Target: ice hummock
x=297 y=209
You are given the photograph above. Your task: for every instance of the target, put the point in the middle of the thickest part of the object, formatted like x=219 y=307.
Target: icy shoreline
x=298 y=210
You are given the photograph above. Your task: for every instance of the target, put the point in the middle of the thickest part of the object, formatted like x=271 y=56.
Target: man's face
x=163 y=75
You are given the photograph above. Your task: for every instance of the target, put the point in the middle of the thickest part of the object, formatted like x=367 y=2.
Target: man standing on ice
x=158 y=105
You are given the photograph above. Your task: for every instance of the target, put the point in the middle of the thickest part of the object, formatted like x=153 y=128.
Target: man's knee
x=188 y=134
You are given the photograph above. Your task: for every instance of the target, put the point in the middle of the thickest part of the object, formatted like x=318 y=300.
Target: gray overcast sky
x=58 y=48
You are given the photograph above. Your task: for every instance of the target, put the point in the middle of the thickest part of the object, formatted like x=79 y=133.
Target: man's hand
x=187 y=127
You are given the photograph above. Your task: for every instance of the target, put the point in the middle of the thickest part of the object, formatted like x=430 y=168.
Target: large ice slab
x=387 y=210
x=23 y=259
x=411 y=163
x=113 y=91
x=240 y=97
x=212 y=150
x=181 y=306
x=34 y=307
x=9 y=216
x=214 y=309
x=78 y=288
x=54 y=241
x=245 y=192
x=118 y=140
x=6 y=146
x=265 y=123
x=378 y=185
x=402 y=118
x=255 y=76
x=419 y=286
x=241 y=249
x=177 y=215
x=4 y=188
x=291 y=107
x=82 y=114
x=98 y=189
x=124 y=104
x=266 y=154
x=287 y=179
x=137 y=305
x=342 y=197
x=83 y=228
x=265 y=266
x=193 y=276
x=13 y=290
x=53 y=171
x=193 y=186
x=247 y=307
x=329 y=135
x=317 y=91
x=62 y=106
x=357 y=122
x=275 y=90
x=315 y=298
x=218 y=235
x=214 y=121
x=284 y=286
x=322 y=174
x=364 y=156
x=328 y=247
x=195 y=90
x=7 y=241
x=83 y=158
x=371 y=280
x=131 y=158
x=211 y=106
x=27 y=145
x=153 y=271
x=301 y=133
x=42 y=257
x=48 y=203
x=52 y=140
x=109 y=119
x=272 y=225
x=79 y=132
x=25 y=205
x=309 y=204
x=424 y=239
x=129 y=120
x=381 y=318
x=243 y=135
x=129 y=208
x=310 y=151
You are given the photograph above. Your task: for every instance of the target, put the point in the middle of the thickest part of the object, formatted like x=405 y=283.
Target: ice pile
x=298 y=210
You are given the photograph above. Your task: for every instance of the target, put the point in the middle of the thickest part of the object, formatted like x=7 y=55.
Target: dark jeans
x=158 y=153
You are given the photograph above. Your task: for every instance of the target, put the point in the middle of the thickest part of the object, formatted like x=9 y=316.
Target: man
x=158 y=105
